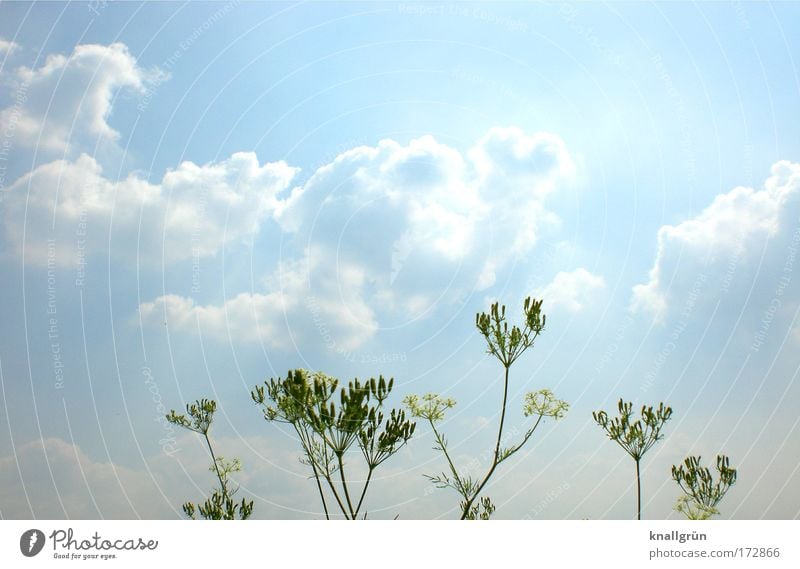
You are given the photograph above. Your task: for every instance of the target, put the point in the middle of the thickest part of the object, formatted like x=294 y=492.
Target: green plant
x=635 y=437
x=507 y=345
x=221 y=505
x=328 y=431
x=701 y=493
x=482 y=511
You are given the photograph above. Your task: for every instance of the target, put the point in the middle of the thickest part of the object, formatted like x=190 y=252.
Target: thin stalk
x=502 y=418
x=222 y=483
x=441 y=443
x=319 y=487
x=527 y=436
x=336 y=495
x=638 y=493
x=329 y=442
x=495 y=459
x=364 y=491
x=305 y=441
x=344 y=485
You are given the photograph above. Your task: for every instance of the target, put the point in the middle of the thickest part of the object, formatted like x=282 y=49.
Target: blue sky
x=198 y=197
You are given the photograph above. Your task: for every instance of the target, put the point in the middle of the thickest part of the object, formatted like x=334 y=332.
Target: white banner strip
x=252 y=543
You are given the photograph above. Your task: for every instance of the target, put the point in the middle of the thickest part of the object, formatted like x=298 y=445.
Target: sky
x=197 y=198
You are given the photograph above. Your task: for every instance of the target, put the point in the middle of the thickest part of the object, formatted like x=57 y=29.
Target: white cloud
x=420 y=215
x=375 y=232
x=81 y=488
x=732 y=235
x=571 y=290
x=388 y=233
x=417 y=194
x=516 y=172
x=194 y=211
x=7 y=47
x=304 y=304
x=427 y=195
x=508 y=154
x=68 y=99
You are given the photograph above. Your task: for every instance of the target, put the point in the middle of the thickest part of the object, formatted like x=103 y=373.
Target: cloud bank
x=388 y=233
x=744 y=234
x=68 y=99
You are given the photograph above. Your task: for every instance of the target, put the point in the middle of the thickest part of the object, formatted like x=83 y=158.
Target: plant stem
x=495 y=459
x=364 y=491
x=638 y=493
x=319 y=487
x=527 y=436
x=344 y=485
x=305 y=441
x=222 y=483
x=336 y=495
x=443 y=446
x=502 y=418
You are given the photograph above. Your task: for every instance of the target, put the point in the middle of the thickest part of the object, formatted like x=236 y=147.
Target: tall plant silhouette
x=635 y=437
x=220 y=505
x=327 y=431
x=701 y=493
x=506 y=345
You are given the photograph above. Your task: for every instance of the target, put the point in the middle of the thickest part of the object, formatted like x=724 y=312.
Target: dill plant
x=506 y=344
x=221 y=504
x=636 y=437
x=328 y=431
x=701 y=494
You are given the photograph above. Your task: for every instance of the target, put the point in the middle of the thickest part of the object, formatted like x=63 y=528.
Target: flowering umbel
x=507 y=344
x=701 y=493
x=220 y=505
x=544 y=404
x=328 y=430
x=430 y=406
x=635 y=437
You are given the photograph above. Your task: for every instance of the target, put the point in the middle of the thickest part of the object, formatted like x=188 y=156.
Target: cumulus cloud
x=571 y=290
x=81 y=488
x=387 y=233
x=68 y=99
x=741 y=231
x=372 y=235
x=194 y=210
x=415 y=193
x=506 y=155
x=7 y=47
x=303 y=304
x=422 y=214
